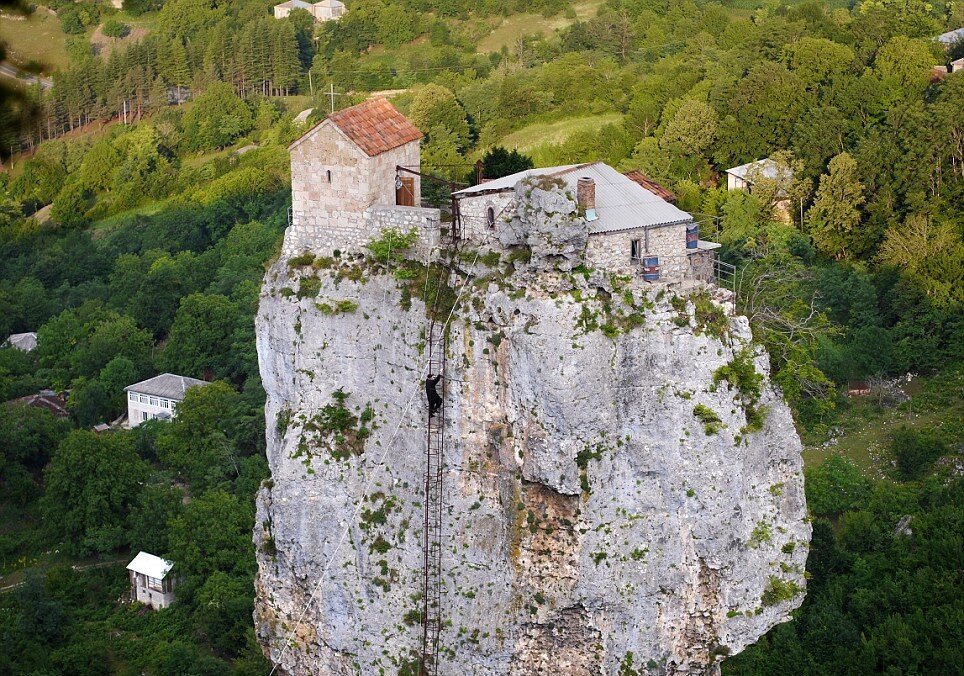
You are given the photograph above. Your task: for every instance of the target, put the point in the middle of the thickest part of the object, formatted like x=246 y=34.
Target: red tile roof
x=374 y=125
x=650 y=185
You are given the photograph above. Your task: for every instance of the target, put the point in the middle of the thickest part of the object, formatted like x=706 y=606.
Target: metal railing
x=687 y=267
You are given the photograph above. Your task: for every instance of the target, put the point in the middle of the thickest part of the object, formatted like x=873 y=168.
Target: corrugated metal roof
x=166 y=385
x=621 y=203
x=768 y=167
x=950 y=37
x=21 y=341
x=150 y=565
x=508 y=182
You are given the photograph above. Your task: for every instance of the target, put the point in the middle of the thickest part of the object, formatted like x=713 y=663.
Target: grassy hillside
x=506 y=31
x=865 y=426
x=35 y=38
x=558 y=131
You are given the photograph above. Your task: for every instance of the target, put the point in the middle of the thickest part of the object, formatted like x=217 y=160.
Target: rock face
x=547 y=223
x=610 y=508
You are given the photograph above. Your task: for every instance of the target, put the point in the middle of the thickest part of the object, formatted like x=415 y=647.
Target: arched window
x=329 y=175
x=490 y=217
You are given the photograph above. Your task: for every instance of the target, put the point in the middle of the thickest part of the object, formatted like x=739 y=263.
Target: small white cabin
x=157 y=398
x=25 y=342
x=743 y=176
x=151 y=580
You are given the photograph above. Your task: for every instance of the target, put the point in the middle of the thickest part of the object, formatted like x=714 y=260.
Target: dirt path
x=15 y=579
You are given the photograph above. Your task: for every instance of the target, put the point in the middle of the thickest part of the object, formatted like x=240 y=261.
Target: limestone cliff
x=624 y=485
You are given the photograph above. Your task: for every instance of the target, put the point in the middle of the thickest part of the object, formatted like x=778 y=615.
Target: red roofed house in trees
x=345 y=186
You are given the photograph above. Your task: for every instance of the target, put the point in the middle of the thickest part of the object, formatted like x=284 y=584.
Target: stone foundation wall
x=701 y=266
x=351 y=232
x=426 y=221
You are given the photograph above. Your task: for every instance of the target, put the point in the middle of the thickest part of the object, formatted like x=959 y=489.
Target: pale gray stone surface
x=546 y=220
x=657 y=558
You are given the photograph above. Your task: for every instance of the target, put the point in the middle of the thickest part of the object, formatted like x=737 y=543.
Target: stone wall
x=475 y=226
x=701 y=265
x=332 y=183
x=613 y=250
x=606 y=251
x=404 y=219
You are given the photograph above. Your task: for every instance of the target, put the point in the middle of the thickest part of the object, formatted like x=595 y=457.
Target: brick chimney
x=586 y=193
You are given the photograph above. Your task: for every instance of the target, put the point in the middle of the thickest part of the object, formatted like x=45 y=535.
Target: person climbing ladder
x=434 y=400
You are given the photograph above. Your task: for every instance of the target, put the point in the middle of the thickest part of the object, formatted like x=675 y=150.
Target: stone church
x=345 y=183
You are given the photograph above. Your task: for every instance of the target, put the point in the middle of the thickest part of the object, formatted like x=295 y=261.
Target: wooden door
x=405 y=194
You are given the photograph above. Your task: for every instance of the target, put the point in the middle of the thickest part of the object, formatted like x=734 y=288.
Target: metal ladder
x=432 y=525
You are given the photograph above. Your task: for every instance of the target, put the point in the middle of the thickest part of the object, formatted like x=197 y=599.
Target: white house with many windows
x=157 y=398
x=151 y=580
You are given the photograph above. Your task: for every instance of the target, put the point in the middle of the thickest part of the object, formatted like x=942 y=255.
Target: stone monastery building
x=357 y=172
x=631 y=222
x=345 y=183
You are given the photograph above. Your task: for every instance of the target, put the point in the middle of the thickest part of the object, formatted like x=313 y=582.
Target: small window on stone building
x=328 y=174
x=635 y=250
x=490 y=217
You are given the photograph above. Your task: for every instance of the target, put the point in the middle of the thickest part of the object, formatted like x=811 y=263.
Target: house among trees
x=48 y=400
x=25 y=342
x=780 y=175
x=157 y=398
x=744 y=176
x=951 y=38
x=325 y=10
x=151 y=580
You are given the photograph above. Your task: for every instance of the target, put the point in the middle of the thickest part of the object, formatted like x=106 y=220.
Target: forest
x=153 y=190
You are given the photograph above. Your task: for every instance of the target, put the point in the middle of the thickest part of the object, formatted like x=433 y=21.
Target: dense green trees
x=28 y=436
x=217 y=117
x=202 y=335
x=835 y=215
x=498 y=162
x=91 y=484
x=104 y=493
x=879 y=600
